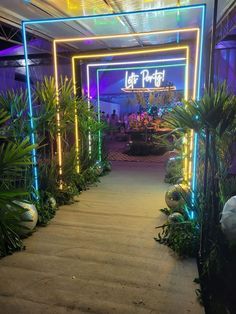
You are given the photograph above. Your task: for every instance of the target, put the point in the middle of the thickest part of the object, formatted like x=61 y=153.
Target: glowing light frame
x=122 y=63
x=141 y=34
x=76 y=39
x=132 y=52
x=193 y=138
x=127 y=68
x=78 y=18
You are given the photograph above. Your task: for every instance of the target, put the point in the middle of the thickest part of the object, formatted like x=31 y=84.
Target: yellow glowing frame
x=134 y=52
x=125 y=53
x=187 y=166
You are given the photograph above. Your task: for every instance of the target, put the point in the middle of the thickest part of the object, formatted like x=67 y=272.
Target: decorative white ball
x=228 y=219
x=98 y=168
x=107 y=166
x=174 y=196
x=52 y=202
x=29 y=218
x=175 y=217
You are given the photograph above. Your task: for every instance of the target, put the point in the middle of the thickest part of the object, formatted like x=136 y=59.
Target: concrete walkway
x=98 y=255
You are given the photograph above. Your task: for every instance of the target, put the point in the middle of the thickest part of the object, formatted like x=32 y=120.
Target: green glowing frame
x=128 y=68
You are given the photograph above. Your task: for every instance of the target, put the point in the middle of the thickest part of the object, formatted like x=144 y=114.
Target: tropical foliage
x=14 y=162
x=14 y=103
x=46 y=129
x=15 y=154
x=213 y=118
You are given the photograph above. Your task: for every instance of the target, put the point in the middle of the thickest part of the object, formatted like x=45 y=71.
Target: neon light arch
x=125 y=53
x=68 y=19
x=126 y=68
x=63 y=40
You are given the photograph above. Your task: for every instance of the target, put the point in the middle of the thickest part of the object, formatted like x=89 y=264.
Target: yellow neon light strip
x=169 y=31
x=190 y=154
x=63 y=40
x=140 y=51
x=163 y=32
x=59 y=146
x=185 y=161
x=77 y=140
x=136 y=52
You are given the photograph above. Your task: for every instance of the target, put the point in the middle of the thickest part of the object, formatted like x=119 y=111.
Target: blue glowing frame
x=78 y=18
x=129 y=68
x=195 y=142
x=145 y=62
x=32 y=131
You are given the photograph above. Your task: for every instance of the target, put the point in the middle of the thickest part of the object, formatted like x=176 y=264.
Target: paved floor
x=116 y=152
x=98 y=255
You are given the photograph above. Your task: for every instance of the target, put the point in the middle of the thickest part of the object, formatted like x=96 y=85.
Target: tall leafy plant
x=14 y=103
x=50 y=106
x=45 y=103
x=213 y=118
x=67 y=104
x=14 y=160
x=90 y=129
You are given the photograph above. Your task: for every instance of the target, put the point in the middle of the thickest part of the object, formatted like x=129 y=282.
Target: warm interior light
x=148 y=89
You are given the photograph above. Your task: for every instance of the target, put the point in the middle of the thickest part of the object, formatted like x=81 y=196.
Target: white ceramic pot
x=52 y=202
x=99 y=168
x=29 y=218
x=175 y=218
x=228 y=219
x=174 y=196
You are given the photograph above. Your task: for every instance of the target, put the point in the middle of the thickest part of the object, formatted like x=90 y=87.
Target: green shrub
x=181 y=237
x=45 y=209
x=173 y=171
x=139 y=149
